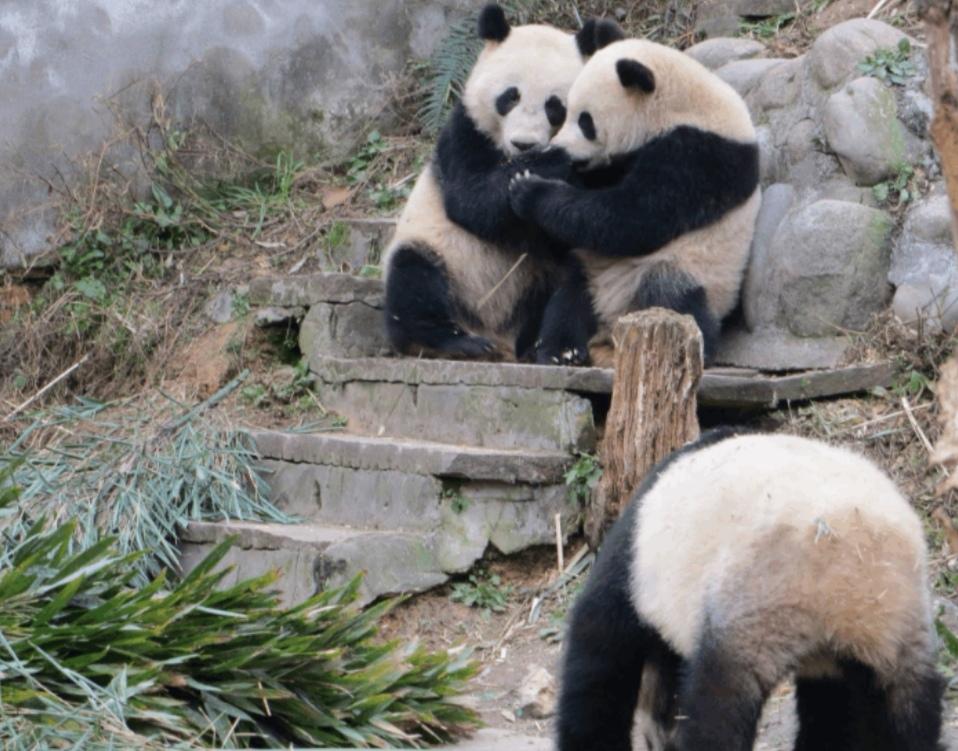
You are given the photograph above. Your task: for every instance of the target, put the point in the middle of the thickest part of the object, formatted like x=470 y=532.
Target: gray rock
x=275 y=316
x=840 y=188
x=835 y=55
x=537 y=694
x=810 y=261
x=744 y=75
x=773 y=350
x=718 y=18
x=365 y=244
x=343 y=330
x=491 y=416
x=714 y=53
x=862 y=127
x=924 y=266
x=769 y=161
x=916 y=111
x=758 y=301
x=779 y=86
x=219 y=308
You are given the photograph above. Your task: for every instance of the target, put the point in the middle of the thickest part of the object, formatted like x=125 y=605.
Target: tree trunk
x=940 y=27
x=658 y=366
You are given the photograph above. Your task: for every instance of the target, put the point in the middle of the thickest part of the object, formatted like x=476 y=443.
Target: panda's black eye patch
x=587 y=126
x=507 y=100
x=555 y=111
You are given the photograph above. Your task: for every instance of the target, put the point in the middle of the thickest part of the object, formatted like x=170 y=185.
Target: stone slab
x=414 y=457
x=490 y=416
x=729 y=390
x=777 y=351
x=460 y=372
x=352 y=329
x=311 y=289
x=310 y=558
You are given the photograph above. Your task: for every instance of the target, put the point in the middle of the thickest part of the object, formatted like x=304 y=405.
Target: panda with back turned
x=455 y=284
x=743 y=560
x=669 y=193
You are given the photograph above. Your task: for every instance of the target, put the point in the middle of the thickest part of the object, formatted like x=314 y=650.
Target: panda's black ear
x=606 y=32
x=493 y=26
x=594 y=35
x=634 y=75
x=585 y=38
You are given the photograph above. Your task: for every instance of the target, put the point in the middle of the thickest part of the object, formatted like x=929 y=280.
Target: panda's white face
x=633 y=90
x=518 y=89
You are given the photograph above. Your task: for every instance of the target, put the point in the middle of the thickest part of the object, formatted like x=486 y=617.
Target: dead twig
x=46 y=388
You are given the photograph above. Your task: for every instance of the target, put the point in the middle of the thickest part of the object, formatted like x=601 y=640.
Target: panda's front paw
x=561 y=355
x=525 y=189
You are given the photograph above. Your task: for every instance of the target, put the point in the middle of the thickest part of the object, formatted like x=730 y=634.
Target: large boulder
x=824 y=272
x=924 y=266
x=835 y=55
x=744 y=75
x=862 y=127
x=714 y=53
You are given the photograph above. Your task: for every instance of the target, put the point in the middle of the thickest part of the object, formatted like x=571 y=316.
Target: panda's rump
x=758 y=553
x=714 y=256
x=473 y=267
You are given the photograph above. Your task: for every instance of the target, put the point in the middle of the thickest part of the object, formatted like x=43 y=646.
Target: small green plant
x=454 y=495
x=897 y=191
x=892 y=66
x=483 y=591
x=357 y=169
x=256 y=394
x=912 y=384
x=582 y=477
x=766 y=28
x=948 y=656
x=241 y=306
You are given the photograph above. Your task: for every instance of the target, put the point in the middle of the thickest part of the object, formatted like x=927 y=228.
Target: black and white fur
x=454 y=284
x=666 y=208
x=743 y=560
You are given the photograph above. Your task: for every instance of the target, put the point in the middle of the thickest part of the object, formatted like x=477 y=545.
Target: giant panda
x=465 y=277
x=669 y=196
x=741 y=560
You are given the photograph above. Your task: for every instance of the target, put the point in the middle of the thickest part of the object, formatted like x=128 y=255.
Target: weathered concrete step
x=463 y=517
x=312 y=557
x=447 y=401
x=414 y=457
x=462 y=373
x=720 y=387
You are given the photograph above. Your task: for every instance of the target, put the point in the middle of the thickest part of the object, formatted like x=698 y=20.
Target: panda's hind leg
x=569 y=321
x=665 y=286
x=420 y=309
x=902 y=713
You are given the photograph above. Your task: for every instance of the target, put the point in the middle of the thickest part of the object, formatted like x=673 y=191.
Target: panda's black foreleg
x=665 y=286
x=606 y=648
x=569 y=321
x=420 y=310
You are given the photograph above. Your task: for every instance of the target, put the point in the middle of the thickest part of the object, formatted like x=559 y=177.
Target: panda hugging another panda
x=664 y=204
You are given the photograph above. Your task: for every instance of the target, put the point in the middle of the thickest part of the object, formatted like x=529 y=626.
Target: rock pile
x=839 y=145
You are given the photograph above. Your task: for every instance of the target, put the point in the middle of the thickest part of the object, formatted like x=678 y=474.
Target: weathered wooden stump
x=658 y=366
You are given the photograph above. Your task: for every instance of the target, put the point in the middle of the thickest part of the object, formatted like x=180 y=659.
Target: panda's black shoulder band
x=493 y=26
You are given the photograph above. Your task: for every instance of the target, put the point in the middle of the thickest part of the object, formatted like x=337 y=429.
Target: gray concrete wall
x=270 y=73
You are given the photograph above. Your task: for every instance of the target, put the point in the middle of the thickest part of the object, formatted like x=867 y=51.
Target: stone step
x=481 y=404
x=719 y=387
x=312 y=557
x=414 y=457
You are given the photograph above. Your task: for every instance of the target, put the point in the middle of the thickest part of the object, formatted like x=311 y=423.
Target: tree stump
x=658 y=366
x=941 y=28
